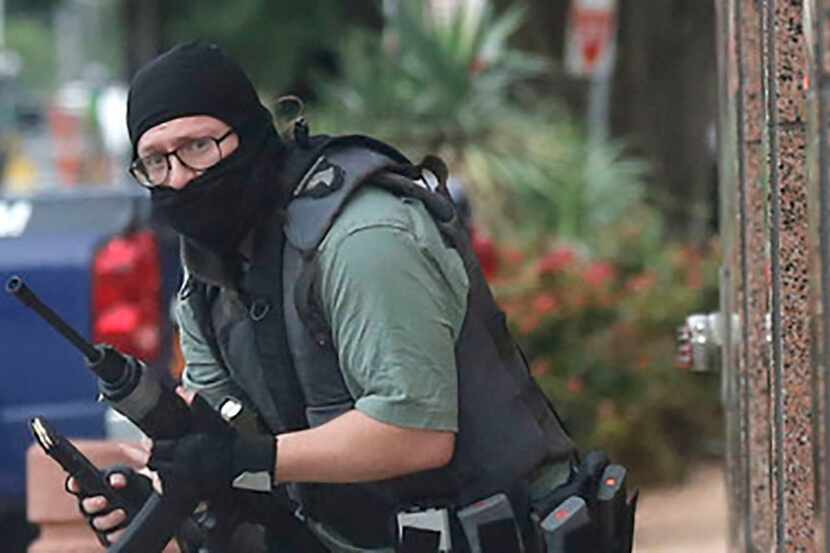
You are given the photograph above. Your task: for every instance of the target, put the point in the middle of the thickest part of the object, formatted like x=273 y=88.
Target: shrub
x=598 y=331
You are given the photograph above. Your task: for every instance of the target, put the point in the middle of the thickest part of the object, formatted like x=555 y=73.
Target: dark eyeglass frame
x=139 y=173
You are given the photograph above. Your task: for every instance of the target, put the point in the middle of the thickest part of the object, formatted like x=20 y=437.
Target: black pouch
x=590 y=512
x=583 y=482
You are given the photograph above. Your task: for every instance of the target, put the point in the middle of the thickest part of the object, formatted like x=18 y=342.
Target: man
x=338 y=300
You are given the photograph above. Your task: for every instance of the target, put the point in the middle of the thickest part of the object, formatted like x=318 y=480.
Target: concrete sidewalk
x=690 y=518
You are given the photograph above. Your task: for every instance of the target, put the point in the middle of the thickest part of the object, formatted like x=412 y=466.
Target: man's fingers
x=109 y=521
x=94 y=504
x=154 y=478
x=118 y=480
x=186 y=395
x=73 y=486
x=137 y=455
x=115 y=536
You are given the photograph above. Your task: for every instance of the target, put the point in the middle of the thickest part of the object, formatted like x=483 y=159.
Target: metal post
x=599 y=100
x=2 y=23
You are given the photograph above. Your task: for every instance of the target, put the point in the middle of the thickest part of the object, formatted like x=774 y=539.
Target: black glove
x=204 y=465
x=130 y=498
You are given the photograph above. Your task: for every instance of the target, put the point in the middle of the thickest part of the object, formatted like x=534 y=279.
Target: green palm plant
x=458 y=89
x=544 y=178
x=429 y=85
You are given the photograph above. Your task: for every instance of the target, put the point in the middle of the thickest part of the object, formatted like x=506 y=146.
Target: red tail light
x=127 y=311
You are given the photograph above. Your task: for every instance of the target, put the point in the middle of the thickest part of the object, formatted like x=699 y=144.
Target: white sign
x=13 y=218
x=590 y=37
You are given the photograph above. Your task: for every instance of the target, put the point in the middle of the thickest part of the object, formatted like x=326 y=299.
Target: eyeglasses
x=197 y=154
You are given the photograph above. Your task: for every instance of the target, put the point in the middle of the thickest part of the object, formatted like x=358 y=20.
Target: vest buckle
x=259 y=309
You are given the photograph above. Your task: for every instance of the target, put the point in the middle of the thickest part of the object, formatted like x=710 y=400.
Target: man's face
x=189 y=137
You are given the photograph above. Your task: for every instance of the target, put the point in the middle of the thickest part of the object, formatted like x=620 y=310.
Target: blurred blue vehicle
x=95 y=256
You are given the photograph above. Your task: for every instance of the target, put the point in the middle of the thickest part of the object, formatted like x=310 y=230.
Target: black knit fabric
x=194 y=78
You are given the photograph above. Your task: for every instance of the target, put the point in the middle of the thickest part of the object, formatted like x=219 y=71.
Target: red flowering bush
x=599 y=331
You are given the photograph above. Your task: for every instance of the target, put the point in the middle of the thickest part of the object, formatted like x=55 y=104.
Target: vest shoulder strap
x=323 y=191
x=328 y=186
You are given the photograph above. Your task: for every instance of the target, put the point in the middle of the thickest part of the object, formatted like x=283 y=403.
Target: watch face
x=230 y=409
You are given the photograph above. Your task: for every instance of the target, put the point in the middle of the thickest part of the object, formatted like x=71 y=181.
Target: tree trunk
x=142 y=21
x=664 y=101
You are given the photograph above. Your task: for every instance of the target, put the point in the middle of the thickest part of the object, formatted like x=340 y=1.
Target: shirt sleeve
x=395 y=298
x=202 y=373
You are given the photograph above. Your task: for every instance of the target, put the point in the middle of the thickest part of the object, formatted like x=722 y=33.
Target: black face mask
x=217 y=209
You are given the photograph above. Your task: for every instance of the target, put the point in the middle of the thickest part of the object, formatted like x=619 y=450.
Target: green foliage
x=33 y=40
x=457 y=89
x=40 y=8
x=273 y=39
x=543 y=177
x=429 y=86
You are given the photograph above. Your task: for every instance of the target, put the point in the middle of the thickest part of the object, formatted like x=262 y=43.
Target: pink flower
x=529 y=324
x=556 y=260
x=540 y=367
x=513 y=256
x=642 y=282
x=577 y=300
x=575 y=384
x=599 y=273
x=545 y=304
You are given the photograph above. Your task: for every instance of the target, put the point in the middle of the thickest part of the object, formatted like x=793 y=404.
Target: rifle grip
x=155 y=524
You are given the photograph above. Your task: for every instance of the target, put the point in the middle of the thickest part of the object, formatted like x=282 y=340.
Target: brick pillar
x=62 y=529
x=770 y=152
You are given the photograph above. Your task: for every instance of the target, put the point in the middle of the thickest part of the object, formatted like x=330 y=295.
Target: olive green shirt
x=395 y=296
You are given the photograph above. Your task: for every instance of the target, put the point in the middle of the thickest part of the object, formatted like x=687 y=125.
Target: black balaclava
x=219 y=207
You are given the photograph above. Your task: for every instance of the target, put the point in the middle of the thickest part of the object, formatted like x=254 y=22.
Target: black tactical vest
x=507 y=427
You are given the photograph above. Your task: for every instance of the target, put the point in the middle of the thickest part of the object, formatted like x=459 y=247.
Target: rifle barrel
x=16 y=287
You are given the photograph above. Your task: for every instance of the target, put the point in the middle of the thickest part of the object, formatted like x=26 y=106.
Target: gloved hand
x=103 y=517
x=204 y=465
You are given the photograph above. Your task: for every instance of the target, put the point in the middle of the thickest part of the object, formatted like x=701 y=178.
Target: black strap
x=439 y=207
x=263 y=284
x=306 y=297
x=307 y=302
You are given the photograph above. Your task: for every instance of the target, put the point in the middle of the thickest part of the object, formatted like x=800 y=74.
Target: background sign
x=590 y=37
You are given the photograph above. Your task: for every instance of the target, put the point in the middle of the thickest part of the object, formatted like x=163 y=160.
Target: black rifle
x=79 y=467
x=160 y=413
x=93 y=481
